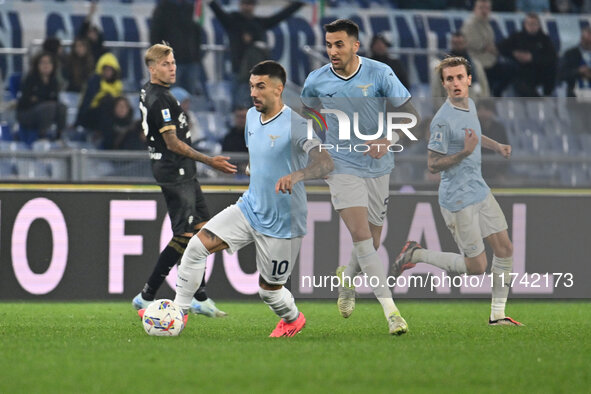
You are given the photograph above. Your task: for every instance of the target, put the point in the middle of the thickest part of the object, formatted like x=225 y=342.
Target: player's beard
x=264 y=109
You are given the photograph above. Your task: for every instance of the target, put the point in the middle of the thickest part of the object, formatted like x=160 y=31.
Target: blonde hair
x=453 y=61
x=156 y=52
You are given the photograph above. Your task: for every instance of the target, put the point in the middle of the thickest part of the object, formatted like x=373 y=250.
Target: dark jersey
x=161 y=112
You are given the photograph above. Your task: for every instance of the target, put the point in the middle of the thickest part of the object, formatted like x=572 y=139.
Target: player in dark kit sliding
x=173 y=165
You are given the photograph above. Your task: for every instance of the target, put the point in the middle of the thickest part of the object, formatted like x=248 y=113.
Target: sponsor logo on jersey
x=166 y=115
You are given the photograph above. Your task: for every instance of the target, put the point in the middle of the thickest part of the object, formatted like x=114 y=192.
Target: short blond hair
x=156 y=52
x=453 y=61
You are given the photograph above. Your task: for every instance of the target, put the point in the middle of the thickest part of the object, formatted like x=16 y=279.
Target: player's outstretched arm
x=437 y=162
x=177 y=146
x=501 y=149
x=320 y=164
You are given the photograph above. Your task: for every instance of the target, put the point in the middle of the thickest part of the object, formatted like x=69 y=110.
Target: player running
x=272 y=212
x=467 y=205
x=359 y=186
x=173 y=165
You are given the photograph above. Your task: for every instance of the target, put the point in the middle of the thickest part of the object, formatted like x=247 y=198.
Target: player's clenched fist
x=504 y=150
x=470 y=140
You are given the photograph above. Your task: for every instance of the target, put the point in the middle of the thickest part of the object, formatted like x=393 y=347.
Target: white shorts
x=469 y=226
x=348 y=191
x=275 y=257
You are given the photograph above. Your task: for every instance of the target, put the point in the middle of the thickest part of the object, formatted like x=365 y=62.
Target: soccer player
x=467 y=205
x=173 y=165
x=359 y=185
x=272 y=212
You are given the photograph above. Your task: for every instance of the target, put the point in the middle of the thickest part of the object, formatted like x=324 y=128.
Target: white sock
x=452 y=263
x=500 y=290
x=353 y=268
x=190 y=272
x=370 y=263
x=281 y=302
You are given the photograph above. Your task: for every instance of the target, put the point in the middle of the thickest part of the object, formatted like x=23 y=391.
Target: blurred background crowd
x=71 y=93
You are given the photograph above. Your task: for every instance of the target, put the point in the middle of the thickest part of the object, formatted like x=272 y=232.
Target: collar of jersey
x=273 y=118
x=459 y=108
x=350 y=76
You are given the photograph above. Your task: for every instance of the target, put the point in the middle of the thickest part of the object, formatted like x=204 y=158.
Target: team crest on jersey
x=166 y=115
x=273 y=138
x=364 y=88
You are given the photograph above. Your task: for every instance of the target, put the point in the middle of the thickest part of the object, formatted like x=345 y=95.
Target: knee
x=264 y=286
x=196 y=253
x=361 y=234
x=504 y=250
x=476 y=269
x=476 y=265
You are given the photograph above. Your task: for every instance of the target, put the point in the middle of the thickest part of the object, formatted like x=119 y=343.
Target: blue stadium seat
x=28 y=136
x=14 y=85
x=574 y=175
x=6 y=132
x=511 y=108
x=585 y=142
x=13 y=146
x=71 y=100
x=540 y=109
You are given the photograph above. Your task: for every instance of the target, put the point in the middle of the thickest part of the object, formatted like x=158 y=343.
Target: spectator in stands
x=53 y=45
x=119 y=130
x=234 y=140
x=422 y=4
x=248 y=42
x=480 y=40
x=38 y=108
x=534 y=58
x=575 y=67
x=537 y=6
x=79 y=65
x=479 y=87
x=379 y=51
x=566 y=6
x=459 y=4
x=184 y=99
x=92 y=33
x=102 y=88
x=492 y=128
x=504 y=6
x=172 y=22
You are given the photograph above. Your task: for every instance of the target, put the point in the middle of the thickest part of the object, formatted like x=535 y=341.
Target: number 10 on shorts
x=280 y=268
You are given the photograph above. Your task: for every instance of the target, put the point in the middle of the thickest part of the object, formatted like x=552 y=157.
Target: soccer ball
x=163 y=318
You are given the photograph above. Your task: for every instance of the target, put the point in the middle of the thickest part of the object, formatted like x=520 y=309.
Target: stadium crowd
x=75 y=97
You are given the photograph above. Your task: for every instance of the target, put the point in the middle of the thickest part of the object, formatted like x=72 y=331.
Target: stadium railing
x=17 y=164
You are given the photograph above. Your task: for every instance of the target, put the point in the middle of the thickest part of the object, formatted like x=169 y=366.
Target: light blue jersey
x=366 y=93
x=276 y=148
x=461 y=185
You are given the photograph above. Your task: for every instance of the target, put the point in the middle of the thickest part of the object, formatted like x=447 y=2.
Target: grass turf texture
x=101 y=347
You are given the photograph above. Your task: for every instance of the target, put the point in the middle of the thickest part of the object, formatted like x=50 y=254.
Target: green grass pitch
x=102 y=348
